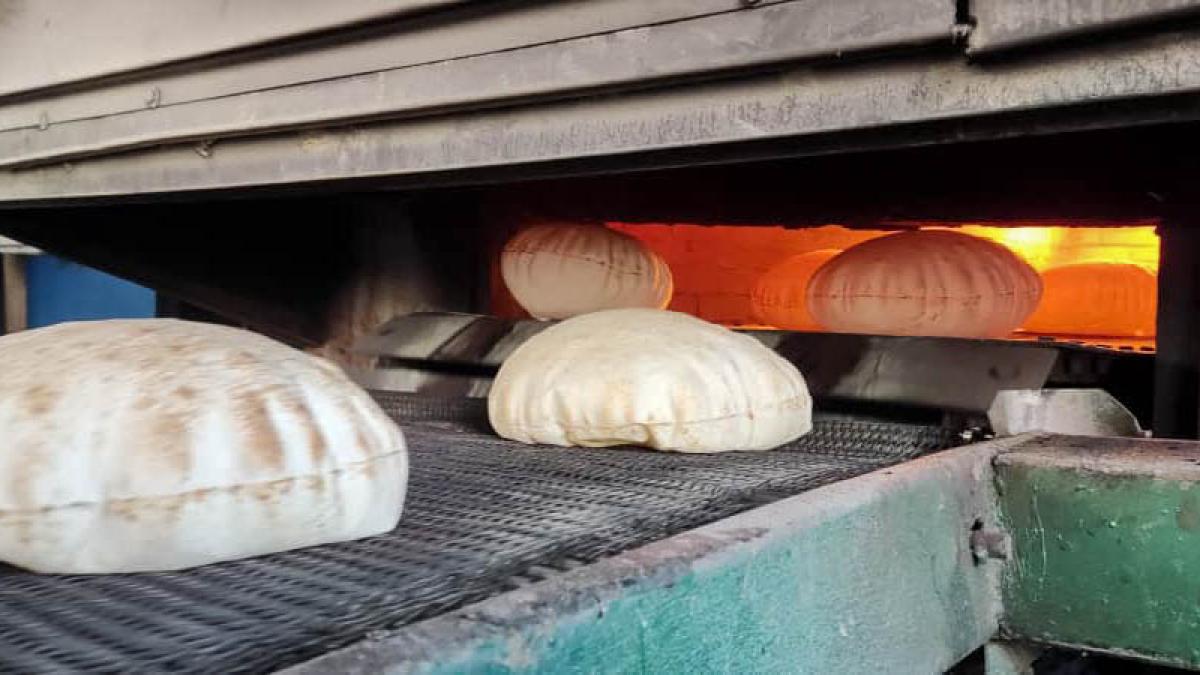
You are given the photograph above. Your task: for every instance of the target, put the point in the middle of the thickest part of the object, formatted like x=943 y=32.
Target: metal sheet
x=804 y=103
x=637 y=56
x=1105 y=534
x=448 y=337
x=1081 y=412
x=943 y=373
x=495 y=27
x=427 y=335
x=1003 y=24
x=873 y=574
x=51 y=42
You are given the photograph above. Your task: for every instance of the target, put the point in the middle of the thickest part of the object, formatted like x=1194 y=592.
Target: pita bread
x=1104 y=299
x=140 y=445
x=780 y=296
x=648 y=377
x=557 y=271
x=925 y=282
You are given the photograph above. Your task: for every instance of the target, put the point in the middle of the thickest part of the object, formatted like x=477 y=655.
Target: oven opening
x=1099 y=283
x=1090 y=321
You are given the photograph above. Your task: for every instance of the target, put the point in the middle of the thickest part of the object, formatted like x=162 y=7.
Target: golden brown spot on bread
x=39 y=399
x=265 y=493
x=357 y=421
x=241 y=358
x=185 y=392
x=169 y=441
x=360 y=439
x=171 y=504
x=369 y=468
x=262 y=440
x=302 y=416
x=125 y=509
x=143 y=403
x=318 y=449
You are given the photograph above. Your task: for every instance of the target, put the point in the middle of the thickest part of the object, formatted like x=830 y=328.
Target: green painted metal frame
x=1106 y=539
x=872 y=574
x=1040 y=540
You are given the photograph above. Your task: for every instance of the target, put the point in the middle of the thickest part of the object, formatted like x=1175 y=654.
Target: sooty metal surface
x=483 y=516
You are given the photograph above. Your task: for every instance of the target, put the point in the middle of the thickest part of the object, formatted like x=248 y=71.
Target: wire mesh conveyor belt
x=482 y=514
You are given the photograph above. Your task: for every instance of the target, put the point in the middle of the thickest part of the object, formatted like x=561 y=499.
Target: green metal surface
x=873 y=574
x=808 y=605
x=1106 y=538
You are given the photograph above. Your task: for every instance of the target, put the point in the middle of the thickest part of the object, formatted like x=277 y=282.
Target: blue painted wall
x=60 y=290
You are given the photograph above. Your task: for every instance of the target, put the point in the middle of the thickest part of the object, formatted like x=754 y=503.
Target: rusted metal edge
x=801 y=103
x=1110 y=456
x=640 y=56
x=814 y=583
x=1009 y=24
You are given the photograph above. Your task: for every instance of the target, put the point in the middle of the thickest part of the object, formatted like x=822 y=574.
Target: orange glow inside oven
x=1113 y=269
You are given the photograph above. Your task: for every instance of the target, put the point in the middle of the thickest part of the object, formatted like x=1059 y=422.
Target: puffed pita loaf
x=560 y=270
x=138 y=445
x=648 y=377
x=925 y=282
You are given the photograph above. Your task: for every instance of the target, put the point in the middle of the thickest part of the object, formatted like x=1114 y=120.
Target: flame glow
x=1046 y=246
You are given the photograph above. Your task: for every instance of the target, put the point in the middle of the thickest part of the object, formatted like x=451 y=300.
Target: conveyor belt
x=484 y=515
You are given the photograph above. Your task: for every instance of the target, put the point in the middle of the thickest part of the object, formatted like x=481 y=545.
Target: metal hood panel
x=1003 y=24
x=553 y=59
x=796 y=109
x=45 y=43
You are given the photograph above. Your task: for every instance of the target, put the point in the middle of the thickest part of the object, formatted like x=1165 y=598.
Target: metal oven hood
x=442 y=91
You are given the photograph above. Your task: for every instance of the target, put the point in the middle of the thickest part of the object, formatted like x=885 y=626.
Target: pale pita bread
x=648 y=377
x=156 y=444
